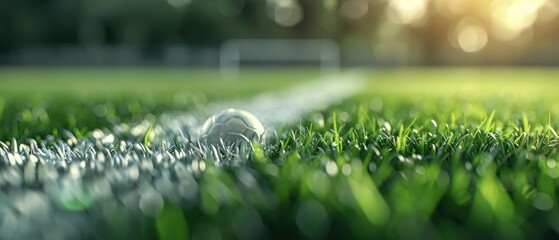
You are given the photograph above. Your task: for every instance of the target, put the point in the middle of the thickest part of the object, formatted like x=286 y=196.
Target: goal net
x=235 y=53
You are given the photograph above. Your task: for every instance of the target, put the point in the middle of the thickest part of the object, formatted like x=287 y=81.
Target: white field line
x=274 y=108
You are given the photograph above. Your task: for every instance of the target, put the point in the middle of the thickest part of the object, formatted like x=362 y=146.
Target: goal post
x=323 y=52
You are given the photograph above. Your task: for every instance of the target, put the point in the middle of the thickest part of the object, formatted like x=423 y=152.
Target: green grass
x=433 y=172
x=420 y=153
x=36 y=102
x=111 y=81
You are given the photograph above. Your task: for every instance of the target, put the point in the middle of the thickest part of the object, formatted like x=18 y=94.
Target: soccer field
x=454 y=153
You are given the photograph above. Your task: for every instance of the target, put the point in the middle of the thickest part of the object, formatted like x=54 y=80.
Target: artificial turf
x=420 y=153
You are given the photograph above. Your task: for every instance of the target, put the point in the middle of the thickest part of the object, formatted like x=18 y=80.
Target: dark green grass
x=439 y=173
x=421 y=153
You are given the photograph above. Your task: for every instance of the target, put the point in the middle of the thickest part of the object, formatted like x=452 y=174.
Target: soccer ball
x=231 y=126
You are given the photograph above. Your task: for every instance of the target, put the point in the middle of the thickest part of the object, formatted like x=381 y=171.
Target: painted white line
x=274 y=108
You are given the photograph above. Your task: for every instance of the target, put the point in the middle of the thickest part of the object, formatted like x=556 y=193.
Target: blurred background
x=191 y=33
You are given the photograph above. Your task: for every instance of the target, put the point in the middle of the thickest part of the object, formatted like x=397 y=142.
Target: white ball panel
x=232 y=126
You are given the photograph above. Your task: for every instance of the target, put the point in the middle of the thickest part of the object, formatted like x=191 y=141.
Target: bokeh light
x=472 y=38
x=468 y=35
x=285 y=13
x=510 y=18
x=407 y=11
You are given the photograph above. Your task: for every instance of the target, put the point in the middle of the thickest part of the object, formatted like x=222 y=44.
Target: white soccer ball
x=232 y=126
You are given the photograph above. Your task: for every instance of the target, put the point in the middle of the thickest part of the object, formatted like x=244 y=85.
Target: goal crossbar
x=323 y=51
